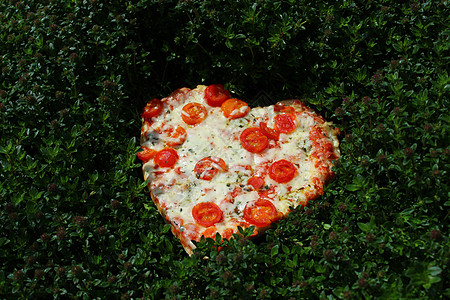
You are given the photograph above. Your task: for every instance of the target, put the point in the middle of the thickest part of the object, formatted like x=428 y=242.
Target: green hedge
x=76 y=220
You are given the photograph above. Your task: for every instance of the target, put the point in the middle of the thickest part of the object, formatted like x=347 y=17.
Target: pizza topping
x=271 y=133
x=253 y=140
x=176 y=137
x=166 y=158
x=234 y=108
x=207 y=214
x=193 y=113
x=255 y=183
x=216 y=94
x=286 y=106
x=152 y=109
x=146 y=154
x=208 y=167
x=282 y=171
x=260 y=213
x=285 y=123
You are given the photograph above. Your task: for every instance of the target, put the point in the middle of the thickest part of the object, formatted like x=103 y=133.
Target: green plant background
x=76 y=221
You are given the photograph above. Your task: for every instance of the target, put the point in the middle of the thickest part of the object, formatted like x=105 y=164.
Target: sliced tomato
x=176 y=137
x=253 y=140
x=255 y=182
x=193 y=113
x=282 y=171
x=146 y=154
x=285 y=123
x=210 y=232
x=260 y=213
x=207 y=213
x=216 y=94
x=271 y=133
x=208 y=167
x=234 y=108
x=166 y=158
x=285 y=106
x=153 y=108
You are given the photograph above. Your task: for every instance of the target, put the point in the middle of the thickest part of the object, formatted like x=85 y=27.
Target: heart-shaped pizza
x=214 y=164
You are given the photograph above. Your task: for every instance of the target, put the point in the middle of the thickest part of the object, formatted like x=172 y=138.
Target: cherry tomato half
x=260 y=213
x=271 y=133
x=253 y=140
x=166 y=158
x=216 y=94
x=208 y=167
x=146 y=154
x=176 y=136
x=256 y=183
x=285 y=123
x=282 y=171
x=153 y=108
x=234 y=108
x=207 y=213
x=193 y=113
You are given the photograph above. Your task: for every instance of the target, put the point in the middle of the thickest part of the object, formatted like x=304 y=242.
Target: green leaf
x=274 y=250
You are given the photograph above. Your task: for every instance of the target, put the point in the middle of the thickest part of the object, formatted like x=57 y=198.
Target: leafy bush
x=76 y=220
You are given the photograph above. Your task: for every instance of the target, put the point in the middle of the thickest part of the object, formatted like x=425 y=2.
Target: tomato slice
x=234 y=108
x=253 y=140
x=146 y=154
x=208 y=167
x=210 y=232
x=216 y=94
x=193 y=113
x=285 y=123
x=166 y=158
x=255 y=182
x=207 y=213
x=271 y=133
x=153 y=108
x=261 y=213
x=282 y=171
x=176 y=137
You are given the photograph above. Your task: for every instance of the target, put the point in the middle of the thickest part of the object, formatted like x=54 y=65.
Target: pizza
x=214 y=164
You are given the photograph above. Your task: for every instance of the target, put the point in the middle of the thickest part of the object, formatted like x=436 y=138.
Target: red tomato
x=193 y=113
x=282 y=171
x=153 y=108
x=146 y=154
x=207 y=213
x=210 y=232
x=216 y=94
x=166 y=158
x=253 y=140
x=261 y=213
x=285 y=106
x=269 y=132
x=176 y=137
x=208 y=167
x=255 y=182
x=285 y=123
x=234 y=108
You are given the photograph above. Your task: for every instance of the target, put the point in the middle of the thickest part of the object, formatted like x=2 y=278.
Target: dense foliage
x=76 y=220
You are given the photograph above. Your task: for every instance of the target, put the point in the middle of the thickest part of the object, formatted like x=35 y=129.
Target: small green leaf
x=274 y=250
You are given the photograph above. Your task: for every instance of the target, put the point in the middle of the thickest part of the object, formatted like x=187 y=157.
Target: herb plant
x=76 y=220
